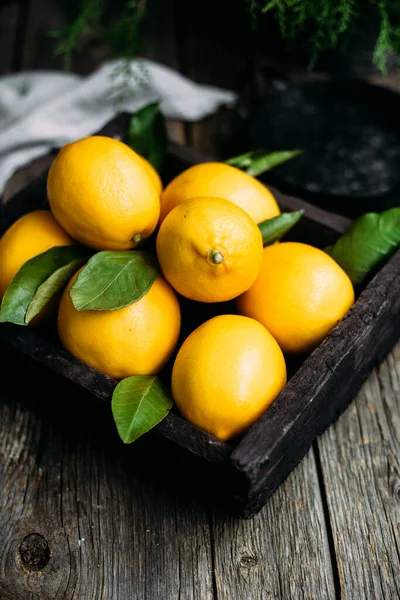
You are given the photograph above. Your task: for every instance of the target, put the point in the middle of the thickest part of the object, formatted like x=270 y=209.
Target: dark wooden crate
x=245 y=473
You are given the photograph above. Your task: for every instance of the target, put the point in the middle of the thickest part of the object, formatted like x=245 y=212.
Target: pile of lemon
x=225 y=374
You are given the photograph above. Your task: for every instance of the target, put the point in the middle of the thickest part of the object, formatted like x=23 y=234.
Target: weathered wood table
x=80 y=517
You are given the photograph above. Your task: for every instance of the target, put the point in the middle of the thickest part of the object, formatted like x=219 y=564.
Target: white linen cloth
x=41 y=110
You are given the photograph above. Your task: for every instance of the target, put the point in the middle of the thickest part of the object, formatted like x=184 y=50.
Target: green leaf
x=112 y=280
x=273 y=229
x=257 y=162
x=51 y=287
x=38 y=281
x=138 y=404
x=370 y=239
x=147 y=135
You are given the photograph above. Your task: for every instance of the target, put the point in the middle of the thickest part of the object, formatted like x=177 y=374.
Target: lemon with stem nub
x=209 y=249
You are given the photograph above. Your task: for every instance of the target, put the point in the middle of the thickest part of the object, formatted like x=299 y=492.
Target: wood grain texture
x=360 y=462
x=115 y=531
x=282 y=553
x=45 y=17
x=159 y=33
x=75 y=483
x=112 y=532
x=9 y=18
x=214 y=53
x=38 y=46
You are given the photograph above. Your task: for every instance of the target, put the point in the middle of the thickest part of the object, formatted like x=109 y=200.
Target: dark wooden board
x=317 y=393
x=159 y=33
x=11 y=24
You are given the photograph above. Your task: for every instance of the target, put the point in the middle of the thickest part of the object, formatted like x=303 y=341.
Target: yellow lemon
x=226 y=374
x=300 y=294
x=103 y=193
x=29 y=236
x=209 y=249
x=153 y=174
x=222 y=181
x=135 y=340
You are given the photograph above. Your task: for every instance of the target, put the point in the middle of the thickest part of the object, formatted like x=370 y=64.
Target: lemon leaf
x=257 y=162
x=138 y=404
x=147 y=134
x=273 y=229
x=38 y=281
x=111 y=280
x=368 y=242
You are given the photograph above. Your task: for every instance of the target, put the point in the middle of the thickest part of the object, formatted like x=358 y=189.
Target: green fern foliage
x=119 y=30
x=331 y=22
x=323 y=24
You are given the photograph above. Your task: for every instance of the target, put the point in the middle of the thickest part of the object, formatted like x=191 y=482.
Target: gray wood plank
x=159 y=40
x=360 y=460
x=38 y=48
x=213 y=53
x=281 y=553
x=94 y=525
x=46 y=16
x=10 y=14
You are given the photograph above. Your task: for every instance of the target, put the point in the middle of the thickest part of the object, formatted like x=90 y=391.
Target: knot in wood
x=34 y=551
x=248 y=562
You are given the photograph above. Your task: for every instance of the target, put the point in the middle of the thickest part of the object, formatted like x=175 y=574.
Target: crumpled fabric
x=43 y=110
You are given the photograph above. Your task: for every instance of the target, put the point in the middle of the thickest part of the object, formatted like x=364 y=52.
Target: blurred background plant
x=116 y=24
x=316 y=27
x=323 y=25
